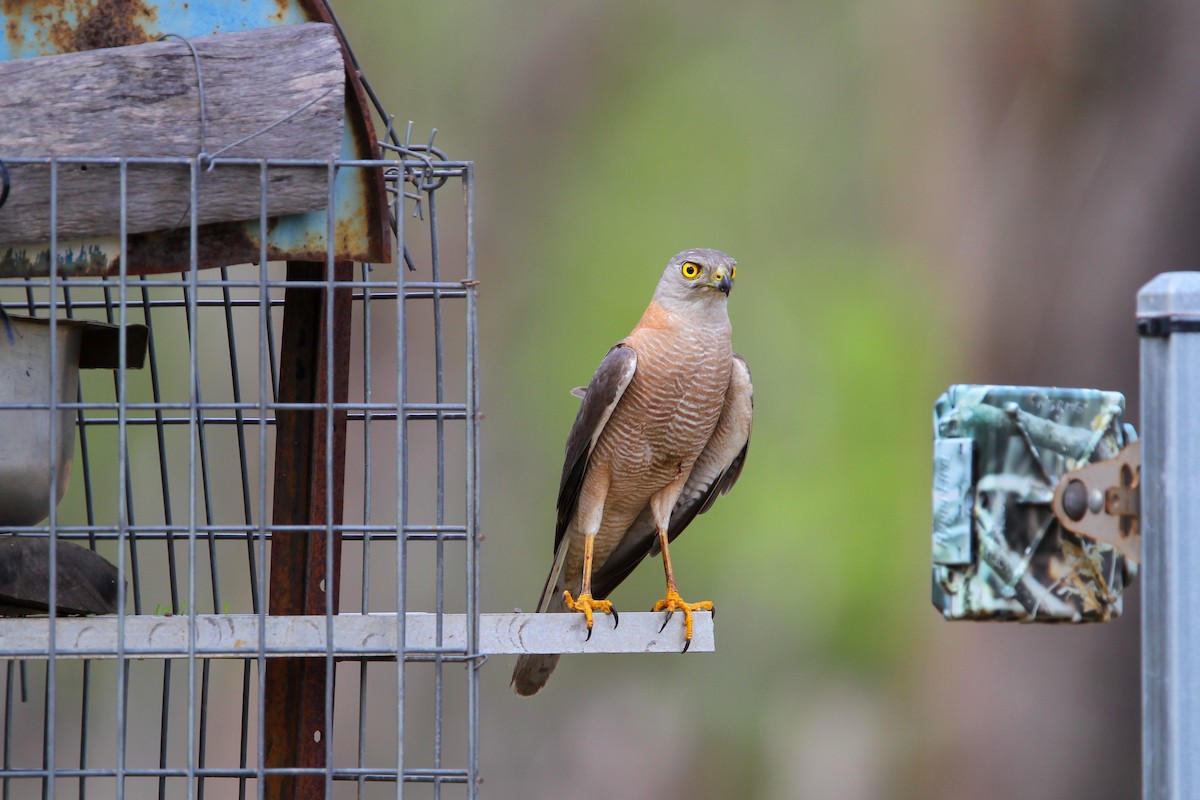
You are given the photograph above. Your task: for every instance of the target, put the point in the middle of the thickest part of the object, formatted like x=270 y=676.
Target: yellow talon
x=588 y=605
x=672 y=603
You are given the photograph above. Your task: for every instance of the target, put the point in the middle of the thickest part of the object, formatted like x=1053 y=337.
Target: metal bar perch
x=354 y=635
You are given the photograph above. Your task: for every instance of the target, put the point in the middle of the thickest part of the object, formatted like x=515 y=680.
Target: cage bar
x=177 y=480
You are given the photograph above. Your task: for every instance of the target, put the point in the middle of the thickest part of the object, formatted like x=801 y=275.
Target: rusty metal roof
x=46 y=27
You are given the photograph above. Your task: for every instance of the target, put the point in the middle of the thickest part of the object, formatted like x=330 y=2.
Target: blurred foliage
x=607 y=137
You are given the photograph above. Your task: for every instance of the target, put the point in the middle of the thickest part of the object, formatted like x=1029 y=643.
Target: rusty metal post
x=295 y=726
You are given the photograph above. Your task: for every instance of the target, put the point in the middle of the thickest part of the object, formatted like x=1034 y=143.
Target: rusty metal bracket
x=1102 y=501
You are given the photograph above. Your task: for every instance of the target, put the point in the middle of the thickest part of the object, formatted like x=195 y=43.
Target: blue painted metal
x=45 y=27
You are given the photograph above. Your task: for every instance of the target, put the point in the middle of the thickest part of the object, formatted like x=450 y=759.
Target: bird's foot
x=588 y=605
x=672 y=603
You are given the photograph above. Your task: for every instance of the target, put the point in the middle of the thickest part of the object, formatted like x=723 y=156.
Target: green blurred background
x=917 y=194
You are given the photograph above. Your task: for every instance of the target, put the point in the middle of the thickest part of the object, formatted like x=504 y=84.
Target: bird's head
x=699 y=274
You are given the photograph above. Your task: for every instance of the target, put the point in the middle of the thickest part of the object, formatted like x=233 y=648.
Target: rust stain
x=352 y=231
x=110 y=23
x=219 y=244
x=46 y=27
x=22 y=261
x=14 y=10
x=223 y=243
x=366 y=146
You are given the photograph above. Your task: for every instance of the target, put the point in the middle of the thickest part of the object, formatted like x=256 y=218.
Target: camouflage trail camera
x=1034 y=504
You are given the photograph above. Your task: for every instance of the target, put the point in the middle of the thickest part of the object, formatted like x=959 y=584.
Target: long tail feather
x=533 y=670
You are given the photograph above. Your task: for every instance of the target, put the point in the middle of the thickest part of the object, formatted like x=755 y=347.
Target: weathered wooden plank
x=143 y=101
x=354 y=635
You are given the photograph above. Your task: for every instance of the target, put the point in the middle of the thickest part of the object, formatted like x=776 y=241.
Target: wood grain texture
x=143 y=101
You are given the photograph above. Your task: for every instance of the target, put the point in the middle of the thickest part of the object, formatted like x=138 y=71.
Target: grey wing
x=715 y=472
x=599 y=399
x=603 y=393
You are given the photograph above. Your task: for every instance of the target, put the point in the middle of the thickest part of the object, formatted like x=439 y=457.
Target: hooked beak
x=721 y=281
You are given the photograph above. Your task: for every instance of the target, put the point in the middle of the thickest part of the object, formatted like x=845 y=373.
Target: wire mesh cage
x=267 y=468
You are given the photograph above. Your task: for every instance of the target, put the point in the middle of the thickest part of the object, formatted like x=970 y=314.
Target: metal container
x=29 y=470
x=32 y=474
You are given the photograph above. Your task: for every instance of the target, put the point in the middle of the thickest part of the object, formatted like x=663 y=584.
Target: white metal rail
x=354 y=635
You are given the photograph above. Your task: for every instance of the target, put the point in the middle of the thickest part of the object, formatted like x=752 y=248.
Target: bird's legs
x=586 y=603
x=673 y=602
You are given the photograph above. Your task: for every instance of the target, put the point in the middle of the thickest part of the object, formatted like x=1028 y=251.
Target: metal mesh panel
x=295 y=428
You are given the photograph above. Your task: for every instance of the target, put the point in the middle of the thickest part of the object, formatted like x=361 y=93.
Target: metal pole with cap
x=1169 y=324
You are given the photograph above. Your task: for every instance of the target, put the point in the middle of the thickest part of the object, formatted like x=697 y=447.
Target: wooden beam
x=143 y=101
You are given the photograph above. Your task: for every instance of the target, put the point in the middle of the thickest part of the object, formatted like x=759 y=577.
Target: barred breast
x=662 y=423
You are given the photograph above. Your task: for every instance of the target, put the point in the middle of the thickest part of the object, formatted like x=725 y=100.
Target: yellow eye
x=690 y=270
x=733 y=274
